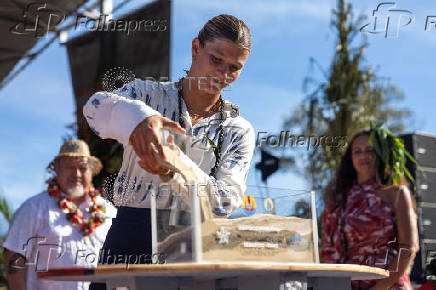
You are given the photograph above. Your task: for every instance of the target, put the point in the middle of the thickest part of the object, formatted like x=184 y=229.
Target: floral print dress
x=363 y=232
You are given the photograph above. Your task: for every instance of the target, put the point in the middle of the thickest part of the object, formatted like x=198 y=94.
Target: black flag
x=268 y=165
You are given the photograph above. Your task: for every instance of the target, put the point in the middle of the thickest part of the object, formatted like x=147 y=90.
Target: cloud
x=27 y=145
x=16 y=194
x=264 y=104
x=264 y=18
x=264 y=10
x=39 y=95
x=22 y=167
x=19 y=181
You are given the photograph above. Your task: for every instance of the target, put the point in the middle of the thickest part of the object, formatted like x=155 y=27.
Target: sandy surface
x=264 y=237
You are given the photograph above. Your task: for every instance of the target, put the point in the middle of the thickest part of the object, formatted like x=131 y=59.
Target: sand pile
x=263 y=237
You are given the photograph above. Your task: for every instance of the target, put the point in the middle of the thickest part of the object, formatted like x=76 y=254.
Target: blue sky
x=36 y=107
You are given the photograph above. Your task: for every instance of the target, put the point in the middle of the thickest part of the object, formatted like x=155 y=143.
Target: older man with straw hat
x=64 y=226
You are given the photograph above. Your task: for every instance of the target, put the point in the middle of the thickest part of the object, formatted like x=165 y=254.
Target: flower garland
x=74 y=214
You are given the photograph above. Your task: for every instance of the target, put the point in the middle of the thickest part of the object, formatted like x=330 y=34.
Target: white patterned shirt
x=115 y=115
x=40 y=229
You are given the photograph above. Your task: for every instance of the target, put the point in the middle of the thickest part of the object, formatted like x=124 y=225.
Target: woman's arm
x=407 y=236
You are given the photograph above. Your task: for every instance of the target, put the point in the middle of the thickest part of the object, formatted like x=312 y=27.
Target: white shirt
x=115 y=115
x=39 y=226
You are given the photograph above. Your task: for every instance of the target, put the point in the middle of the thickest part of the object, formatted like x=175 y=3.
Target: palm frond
x=5 y=209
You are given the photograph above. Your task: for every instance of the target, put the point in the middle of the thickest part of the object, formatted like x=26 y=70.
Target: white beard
x=75 y=191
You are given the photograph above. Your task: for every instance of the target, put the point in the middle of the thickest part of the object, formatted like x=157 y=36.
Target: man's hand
x=172 y=163
x=148 y=133
x=175 y=164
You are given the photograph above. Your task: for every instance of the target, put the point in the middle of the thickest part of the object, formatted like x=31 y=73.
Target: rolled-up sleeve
x=226 y=191
x=115 y=115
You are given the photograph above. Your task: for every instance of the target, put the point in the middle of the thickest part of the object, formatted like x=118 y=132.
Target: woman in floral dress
x=368 y=220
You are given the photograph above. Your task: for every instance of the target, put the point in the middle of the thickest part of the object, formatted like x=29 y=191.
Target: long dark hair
x=346 y=175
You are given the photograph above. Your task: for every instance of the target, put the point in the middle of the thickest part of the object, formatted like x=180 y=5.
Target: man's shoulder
x=36 y=201
x=240 y=123
x=32 y=208
x=244 y=123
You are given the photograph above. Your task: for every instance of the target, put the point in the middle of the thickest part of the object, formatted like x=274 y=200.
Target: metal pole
x=106 y=7
x=197 y=248
x=314 y=227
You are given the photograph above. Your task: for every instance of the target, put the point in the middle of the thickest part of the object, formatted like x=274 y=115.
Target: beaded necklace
x=218 y=148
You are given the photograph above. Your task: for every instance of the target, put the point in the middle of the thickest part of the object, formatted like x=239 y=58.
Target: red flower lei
x=74 y=214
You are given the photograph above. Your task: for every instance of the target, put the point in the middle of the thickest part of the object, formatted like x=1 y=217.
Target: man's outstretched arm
x=123 y=117
x=116 y=114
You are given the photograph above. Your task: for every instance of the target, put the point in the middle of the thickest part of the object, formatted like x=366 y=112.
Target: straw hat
x=78 y=148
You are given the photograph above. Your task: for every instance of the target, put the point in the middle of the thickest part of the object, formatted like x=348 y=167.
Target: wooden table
x=215 y=276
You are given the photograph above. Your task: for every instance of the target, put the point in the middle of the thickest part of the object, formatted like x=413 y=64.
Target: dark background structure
x=145 y=53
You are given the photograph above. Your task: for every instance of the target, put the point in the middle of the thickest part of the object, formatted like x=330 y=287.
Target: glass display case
x=271 y=225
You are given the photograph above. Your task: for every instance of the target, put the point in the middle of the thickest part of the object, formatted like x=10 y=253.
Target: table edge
x=179 y=268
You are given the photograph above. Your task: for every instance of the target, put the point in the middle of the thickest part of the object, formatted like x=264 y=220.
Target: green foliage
x=390 y=150
x=5 y=209
x=214 y=147
x=345 y=101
